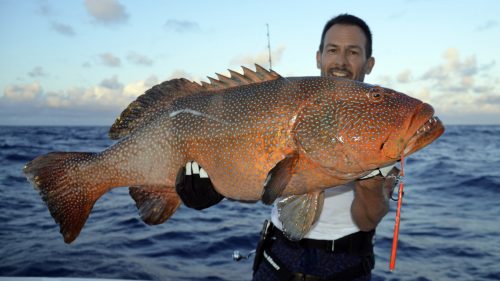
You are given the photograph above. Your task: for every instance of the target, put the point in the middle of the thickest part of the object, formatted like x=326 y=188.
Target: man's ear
x=318 y=59
x=369 y=65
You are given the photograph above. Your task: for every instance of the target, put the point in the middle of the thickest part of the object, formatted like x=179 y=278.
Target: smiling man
x=345 y=51
x=339 y=246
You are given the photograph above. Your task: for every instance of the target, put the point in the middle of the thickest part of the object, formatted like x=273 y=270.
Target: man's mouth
x=340 y=73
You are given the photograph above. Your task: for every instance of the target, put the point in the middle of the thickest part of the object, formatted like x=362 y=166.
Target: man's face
x=344 y=53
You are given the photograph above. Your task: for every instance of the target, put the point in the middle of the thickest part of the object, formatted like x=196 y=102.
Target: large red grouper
x=283 y=137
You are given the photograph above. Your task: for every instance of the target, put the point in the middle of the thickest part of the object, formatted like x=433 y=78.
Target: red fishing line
x=392 y=263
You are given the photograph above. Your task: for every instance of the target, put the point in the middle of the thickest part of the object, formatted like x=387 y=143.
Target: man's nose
x=340 y=60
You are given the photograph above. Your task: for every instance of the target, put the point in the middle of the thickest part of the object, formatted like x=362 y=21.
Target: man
x=339 y=246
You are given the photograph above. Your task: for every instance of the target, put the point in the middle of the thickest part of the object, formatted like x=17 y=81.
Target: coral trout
x=283 y=137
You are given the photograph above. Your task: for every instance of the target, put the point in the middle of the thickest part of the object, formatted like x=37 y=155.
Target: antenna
x=269 y=47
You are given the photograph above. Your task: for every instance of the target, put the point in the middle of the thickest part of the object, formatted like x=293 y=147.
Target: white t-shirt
x=335 y=220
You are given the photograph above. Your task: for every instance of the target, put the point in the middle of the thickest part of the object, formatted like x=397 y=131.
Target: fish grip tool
x=392 y=262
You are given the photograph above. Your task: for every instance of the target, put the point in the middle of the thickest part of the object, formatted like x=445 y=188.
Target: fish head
x=352 y=127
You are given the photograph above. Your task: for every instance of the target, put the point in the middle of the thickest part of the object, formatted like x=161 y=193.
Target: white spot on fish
x=196 y=113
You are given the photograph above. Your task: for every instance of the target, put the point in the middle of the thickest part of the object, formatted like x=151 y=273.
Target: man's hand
x=371 y=198
x=195 y=188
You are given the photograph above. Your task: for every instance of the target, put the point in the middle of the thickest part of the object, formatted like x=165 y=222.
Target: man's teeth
x=339 y=74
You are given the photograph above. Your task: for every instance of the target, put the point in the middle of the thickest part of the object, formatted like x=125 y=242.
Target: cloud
x=22 y=93
x=404 y=77
x=487 y=25
x=180 y=73
x=137 y=88
x=490 y=100
x=106 y=11
x=181 y=26
x=44 y=8
x=139 y=59
x=466 y=104
x=460 y=88
x=110 y=60
x=109 y=94
x=111 y=84
x=261 y=58
x=37 y=72
x=63 y=29
x=455 y=74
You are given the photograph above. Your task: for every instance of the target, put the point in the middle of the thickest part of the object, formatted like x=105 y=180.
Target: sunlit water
x=449 y=227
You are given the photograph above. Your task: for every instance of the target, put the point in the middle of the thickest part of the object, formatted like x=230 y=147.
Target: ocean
x=450 y=227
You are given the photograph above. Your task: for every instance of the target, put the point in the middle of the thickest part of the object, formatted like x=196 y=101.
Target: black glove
x=195 y=188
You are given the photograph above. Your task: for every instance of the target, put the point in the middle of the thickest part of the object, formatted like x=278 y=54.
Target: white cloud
x=21 y=93
x=106 y=11
x=110 y=60
x=457 y=87
x=404 y=77
x=137 y=88
x=54 y=100
x=456 y=74
x=109 y=95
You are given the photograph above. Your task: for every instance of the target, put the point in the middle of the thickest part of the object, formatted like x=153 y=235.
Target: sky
x=82 y=62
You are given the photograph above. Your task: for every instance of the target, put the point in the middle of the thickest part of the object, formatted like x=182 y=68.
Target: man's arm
x=371 y=199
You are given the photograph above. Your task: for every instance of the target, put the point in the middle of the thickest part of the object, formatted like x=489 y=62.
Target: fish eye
x=376 y=94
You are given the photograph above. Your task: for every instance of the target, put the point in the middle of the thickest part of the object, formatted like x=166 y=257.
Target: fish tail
x=67 y=187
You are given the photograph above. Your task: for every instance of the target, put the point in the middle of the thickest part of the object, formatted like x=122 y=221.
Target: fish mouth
x=426 y=133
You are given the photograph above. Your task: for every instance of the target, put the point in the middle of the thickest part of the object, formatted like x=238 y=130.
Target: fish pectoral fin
x=156 y=203
x=278 y=178
x=298 y=213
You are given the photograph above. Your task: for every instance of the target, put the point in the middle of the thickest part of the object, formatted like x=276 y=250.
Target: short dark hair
x=349 y=20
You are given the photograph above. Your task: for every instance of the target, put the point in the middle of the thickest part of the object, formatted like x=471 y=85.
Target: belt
x=359 y=243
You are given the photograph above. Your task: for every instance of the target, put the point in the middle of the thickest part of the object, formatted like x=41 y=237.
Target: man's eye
x=354 y=53
x=332 y=51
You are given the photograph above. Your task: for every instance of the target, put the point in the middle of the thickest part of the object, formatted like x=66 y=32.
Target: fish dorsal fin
x=162 y=95
x=236 y=79
x=147 y=104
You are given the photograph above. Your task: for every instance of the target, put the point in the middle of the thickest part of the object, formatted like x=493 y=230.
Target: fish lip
x=424 y=135
x=417 y=131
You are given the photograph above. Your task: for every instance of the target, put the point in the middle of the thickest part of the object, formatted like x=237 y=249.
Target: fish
x=258 y=135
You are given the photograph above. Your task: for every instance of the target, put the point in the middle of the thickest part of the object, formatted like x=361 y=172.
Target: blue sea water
x=450 y=227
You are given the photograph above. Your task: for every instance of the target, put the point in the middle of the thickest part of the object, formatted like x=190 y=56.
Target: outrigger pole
x=269 y=47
